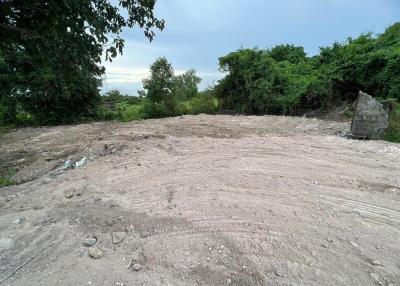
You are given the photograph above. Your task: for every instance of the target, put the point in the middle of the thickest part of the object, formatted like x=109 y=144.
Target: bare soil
x=203 y=200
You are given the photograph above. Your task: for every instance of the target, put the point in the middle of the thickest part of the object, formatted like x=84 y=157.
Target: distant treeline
x=39 y=87
x=164 y=94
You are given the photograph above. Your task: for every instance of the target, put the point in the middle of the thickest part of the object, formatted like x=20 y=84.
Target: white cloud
x=123 y=75
x=116 y=75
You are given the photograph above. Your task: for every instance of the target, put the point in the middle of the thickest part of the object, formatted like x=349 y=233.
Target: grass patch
x=349 y=114
x=126 y=111
x=4 y=130
x=5 y=178
x=131 y=112
x=393 y=132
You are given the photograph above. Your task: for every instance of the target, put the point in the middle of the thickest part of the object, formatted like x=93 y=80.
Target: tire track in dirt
x=252 y=200
x=375 y=211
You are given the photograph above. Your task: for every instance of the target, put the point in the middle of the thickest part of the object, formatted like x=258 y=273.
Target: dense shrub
x=128 y=112
x=283 y=80
x=154 y=110
x=202 y=103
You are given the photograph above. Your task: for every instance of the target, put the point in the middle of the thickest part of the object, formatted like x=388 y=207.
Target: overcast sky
x=199 y=31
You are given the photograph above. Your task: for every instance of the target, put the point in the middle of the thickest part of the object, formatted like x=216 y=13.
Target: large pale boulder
x=370 y=120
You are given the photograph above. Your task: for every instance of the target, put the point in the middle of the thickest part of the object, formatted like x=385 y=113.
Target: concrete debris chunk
x=370 y=120
x=118 y=237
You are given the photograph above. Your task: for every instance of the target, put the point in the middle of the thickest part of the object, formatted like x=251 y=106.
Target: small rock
x=228 y=281
x=278 y=273
x=375 y=262
x=131 y=228
x=9 y=198
x=375 y=277
x=330 y=240
x=353 y=243
x=80 y=163
x=145 y=234
x=68 y=164
x=325 y=245
x=18 y=220
x=69 y=193
x=37 y=207
x=95 y=253
x=118 y=237
x=90 y=241
x=136 y=267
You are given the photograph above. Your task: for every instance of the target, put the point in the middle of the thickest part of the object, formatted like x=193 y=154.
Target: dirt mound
x=200 y=200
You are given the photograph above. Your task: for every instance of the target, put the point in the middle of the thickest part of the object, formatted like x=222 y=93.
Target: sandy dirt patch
x=200 y=200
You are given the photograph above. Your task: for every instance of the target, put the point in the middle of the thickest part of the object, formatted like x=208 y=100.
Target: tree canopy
x=168 y=94
x=51 y=52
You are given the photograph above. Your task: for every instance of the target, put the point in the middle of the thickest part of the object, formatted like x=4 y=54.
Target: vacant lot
x=200 y=200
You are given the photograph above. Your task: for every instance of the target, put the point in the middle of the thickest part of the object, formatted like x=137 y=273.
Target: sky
x=198 y=32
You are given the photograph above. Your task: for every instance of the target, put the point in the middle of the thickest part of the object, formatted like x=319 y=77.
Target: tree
x=52 y=51
x=185 y=85
x=253 y=84
x=158 y=87
x=288 y=53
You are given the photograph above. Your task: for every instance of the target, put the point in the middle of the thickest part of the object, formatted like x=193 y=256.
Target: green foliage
x=348 y=113
x=50 y=53
x=288 y=53
x=202 y=103
x=283 y=80
x=164 y=95
x=393 y=132
x=4 y=130
x=155 y=110
x=5 y=177
x=185 y=85
x=105 y=113
x=254 y=82
x=170 y=95
x=129 y=112
x=115 y=96
x=158 y=87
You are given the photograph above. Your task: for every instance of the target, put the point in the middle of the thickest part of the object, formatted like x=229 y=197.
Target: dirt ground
x=200 y=200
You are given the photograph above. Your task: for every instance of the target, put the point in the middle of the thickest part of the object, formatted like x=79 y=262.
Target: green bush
x=129 y=112
x=106 y=114
x=5 y=177
x=202 y=104
x=393 y=132
x=154 y=110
